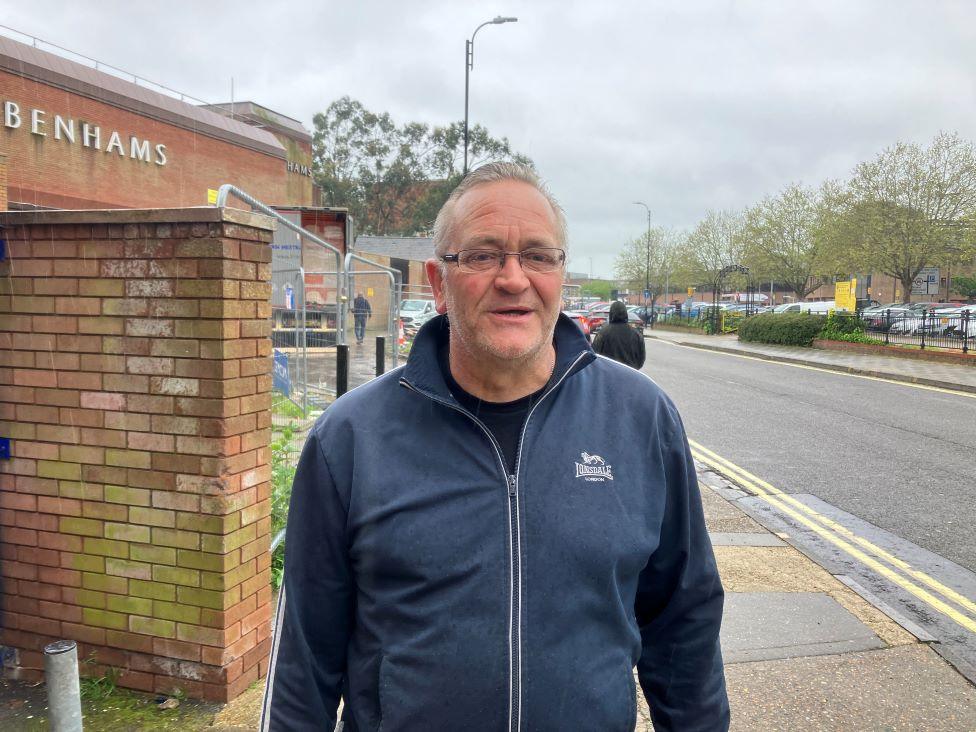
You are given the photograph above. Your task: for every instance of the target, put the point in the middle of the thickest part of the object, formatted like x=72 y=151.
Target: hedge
x=787 y=329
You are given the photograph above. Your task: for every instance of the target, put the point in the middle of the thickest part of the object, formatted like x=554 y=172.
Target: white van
x=817 y=308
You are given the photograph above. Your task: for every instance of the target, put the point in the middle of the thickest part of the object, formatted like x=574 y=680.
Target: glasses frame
x=501 y=259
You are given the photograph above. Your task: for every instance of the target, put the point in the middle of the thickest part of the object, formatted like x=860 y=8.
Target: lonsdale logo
x=593 y=468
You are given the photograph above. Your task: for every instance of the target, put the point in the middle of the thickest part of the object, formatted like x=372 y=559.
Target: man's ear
x=435 y=275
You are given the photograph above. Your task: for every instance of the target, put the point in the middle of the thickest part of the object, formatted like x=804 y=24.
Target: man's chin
x=511 y=349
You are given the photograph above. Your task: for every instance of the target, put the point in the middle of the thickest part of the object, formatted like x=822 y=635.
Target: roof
x=261 y=116
x=57 y=71
x=412 y=248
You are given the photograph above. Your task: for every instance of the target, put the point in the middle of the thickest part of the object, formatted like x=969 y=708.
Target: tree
x=908 y=208
x=965 y=286
x=393 y=178
x=715 y=243
x=636 y=265
x=785 y=237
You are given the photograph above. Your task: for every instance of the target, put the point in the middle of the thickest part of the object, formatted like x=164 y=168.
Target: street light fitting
x=468 y=66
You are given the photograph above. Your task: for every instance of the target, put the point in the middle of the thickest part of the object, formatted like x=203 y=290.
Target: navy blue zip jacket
x=430 y=590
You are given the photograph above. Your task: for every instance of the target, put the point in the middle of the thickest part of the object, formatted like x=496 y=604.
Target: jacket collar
x=423 y=373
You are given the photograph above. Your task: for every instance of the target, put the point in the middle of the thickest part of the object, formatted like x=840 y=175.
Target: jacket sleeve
x=641 y=349
x=679 y=604
x=315 y=606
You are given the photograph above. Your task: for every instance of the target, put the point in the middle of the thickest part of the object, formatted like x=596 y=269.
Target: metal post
x=887 y=329
x=924 y=317
x=380 y=355
x=342 y=369
x=965 y=331
x=467 y=73
x=63 y=688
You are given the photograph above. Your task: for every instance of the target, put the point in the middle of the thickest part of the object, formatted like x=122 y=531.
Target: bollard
x=63 y=689
x=380 y=355
x=342 y=369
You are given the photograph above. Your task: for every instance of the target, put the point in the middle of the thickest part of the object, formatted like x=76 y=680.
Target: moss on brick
x=107 y=547
x=175 y=611
x=153 y=554
x=177 y=576
x=129 y=496
x=152 y=626
x=81 y=526
x=104 y=583
x=127 y=532
x=130 y=605
x=105 y=619
x=152 y=590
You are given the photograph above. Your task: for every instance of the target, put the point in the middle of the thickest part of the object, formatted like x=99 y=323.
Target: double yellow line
x=882 y=562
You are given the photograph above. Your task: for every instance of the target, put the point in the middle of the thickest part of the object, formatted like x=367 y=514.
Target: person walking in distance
x=361 y=311
x=617 y=340
x=491 y=537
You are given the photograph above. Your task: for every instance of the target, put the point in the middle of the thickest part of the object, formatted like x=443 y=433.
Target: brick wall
x=3 y=182
x=135 y=387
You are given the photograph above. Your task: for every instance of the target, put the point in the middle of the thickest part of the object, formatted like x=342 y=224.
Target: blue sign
x=647 y=294
x=281 y=381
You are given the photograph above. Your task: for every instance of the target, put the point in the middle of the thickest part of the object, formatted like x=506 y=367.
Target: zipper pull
x=511 y=485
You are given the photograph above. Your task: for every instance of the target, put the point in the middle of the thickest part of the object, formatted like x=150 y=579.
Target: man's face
x=506 y=313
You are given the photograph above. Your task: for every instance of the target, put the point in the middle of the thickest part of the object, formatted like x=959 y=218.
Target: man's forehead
x=485 y=210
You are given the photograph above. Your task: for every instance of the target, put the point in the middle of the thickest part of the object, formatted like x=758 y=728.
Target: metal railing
x=925 y=328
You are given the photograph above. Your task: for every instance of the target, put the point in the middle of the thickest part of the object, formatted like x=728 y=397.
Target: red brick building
x=78 y=137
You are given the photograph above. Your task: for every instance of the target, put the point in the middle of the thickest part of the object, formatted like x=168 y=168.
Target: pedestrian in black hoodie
x=617 y=340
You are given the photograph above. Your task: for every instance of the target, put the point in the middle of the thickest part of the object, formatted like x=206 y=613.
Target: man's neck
x=495 y=380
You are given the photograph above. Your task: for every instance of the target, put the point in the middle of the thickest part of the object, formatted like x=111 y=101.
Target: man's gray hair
x=492 y=173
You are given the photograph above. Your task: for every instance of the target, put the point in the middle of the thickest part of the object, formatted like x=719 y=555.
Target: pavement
x=916 y=371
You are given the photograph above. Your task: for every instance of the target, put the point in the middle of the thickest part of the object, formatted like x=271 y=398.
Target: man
x=493 y=536
x=360 y=312
x=617 y=340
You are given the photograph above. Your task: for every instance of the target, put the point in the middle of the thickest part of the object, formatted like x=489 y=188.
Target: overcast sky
x=686 y=105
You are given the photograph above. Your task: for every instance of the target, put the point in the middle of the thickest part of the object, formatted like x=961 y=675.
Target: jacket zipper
x=515 y=542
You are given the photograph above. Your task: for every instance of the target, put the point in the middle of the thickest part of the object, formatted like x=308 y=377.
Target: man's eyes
x=482 y=257
x=538 y=257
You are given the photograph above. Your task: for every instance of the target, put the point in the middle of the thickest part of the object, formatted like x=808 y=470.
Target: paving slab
x=895 y=689
x=721 y=538
x=760 y=626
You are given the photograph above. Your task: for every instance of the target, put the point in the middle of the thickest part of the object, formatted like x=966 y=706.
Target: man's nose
x=511 y=276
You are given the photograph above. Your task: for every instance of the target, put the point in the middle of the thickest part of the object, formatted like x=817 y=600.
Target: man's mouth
x=511 y=313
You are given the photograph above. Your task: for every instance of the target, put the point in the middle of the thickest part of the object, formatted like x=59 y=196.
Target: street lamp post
x=647 y=266
x=468 y=65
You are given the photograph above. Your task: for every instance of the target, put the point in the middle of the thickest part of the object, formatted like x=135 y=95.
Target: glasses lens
x=478 y=260
x=542 y=260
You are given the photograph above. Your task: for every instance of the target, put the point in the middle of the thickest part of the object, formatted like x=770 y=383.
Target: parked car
x=934 y=321
x=411 y=309
x=415 y=322
x=580 y=318
x=882 y=319
x=819 y=307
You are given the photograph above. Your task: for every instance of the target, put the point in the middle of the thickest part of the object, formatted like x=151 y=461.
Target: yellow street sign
x=211 y=197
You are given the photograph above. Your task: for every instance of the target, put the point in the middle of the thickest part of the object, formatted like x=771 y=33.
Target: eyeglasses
x=534 y=259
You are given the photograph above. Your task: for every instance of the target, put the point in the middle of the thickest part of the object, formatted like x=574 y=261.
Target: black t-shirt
x=503 y=419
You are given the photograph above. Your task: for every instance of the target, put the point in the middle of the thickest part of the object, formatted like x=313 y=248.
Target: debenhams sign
x=88 y=135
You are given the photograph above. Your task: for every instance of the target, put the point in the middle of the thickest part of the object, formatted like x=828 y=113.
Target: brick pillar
x=135 y=387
